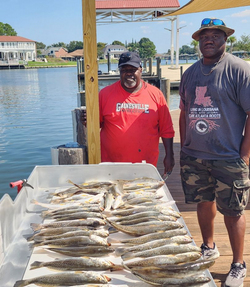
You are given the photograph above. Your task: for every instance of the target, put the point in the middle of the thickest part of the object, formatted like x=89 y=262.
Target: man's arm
x=182 y=127
x=245 y=145
x=169 y=157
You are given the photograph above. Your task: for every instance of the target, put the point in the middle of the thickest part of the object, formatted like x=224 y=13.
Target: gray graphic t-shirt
x=215 y=106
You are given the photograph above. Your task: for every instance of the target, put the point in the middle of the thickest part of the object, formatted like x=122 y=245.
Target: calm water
x=35 y=115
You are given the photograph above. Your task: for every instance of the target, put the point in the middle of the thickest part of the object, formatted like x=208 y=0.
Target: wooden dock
x=221 y=267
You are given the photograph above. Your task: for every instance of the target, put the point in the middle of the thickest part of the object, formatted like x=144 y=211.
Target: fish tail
x=116 y=268
x=128 y=255
x=36 y=226
x=20 y=283
x=34 y=201
x=35 y=265
x=107 y=278
x=36 y=244
x=45 y=213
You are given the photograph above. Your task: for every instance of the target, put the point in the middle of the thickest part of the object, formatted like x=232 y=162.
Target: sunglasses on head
x=207 y=22
x=125 y=58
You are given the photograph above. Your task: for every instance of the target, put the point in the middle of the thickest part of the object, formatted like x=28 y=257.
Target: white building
x=114 y=51
x=14 y=49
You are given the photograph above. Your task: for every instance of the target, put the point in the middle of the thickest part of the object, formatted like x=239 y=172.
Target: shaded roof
x=133 y=4
x=78 y=52
x=195 y=6
x=14 y=39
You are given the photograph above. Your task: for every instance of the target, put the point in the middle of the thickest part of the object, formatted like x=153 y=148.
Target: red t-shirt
x=131 y=124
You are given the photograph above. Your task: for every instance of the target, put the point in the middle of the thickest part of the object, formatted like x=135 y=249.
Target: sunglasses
x=124 y=58
x=208 y=22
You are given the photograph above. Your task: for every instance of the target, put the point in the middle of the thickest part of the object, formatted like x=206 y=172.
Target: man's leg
x=236 y=227
x=206 y=212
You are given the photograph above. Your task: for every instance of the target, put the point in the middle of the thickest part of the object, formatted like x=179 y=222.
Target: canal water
x=35 y=115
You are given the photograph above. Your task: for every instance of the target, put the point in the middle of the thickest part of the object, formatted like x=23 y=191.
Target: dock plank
x=221 y=267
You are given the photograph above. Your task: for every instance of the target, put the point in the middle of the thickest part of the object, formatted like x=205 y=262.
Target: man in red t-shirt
x=133 y=116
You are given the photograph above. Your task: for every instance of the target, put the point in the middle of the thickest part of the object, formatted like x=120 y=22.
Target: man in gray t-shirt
x=215 y=141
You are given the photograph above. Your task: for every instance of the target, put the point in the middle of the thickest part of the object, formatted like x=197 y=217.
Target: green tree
x=231 y=40
x=40 y=46
x=147 y=48
x=117 y=43
x=195 y=44
x=74 y=45
x=133 y=46
x=7 y=30
x=100 y=47
x=60 y=44
x=243 y=44
x=185 y=49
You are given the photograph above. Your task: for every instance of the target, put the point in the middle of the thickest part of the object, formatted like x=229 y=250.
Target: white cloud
x=145 y=29
x=183 y=23
x=245 y=13
x=244 y=21
x=185 y=34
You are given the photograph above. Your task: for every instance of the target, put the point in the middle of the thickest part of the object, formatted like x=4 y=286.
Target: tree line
x=145 y=47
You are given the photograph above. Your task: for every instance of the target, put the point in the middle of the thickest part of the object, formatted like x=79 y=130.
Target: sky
x=53 y=21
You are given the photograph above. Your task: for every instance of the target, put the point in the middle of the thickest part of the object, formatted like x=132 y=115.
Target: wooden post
x=165 y=88
x=91 y=80
x=150 y=63
x=108 y=62
x=181 y=70
x=158 y=68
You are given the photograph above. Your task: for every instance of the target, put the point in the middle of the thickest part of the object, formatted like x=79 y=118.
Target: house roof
x=14 y=39
x=78 y=52
x=133 y=4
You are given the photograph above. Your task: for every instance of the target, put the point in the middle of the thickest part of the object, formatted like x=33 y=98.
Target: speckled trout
x=65 y=279
x=162 y=260
x=163 y=250
x=136 y=230
x=154 y=236
x=76 y=264
x=198 y=280
x=94 y=222
x=153 y=244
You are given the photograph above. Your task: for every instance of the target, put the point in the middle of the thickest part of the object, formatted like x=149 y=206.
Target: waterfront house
x=55 y=52
x=114 y=51
x=77 y=54
x=15 y=48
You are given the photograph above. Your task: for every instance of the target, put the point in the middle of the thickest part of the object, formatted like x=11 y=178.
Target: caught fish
x=76 y=264
x=78 y=215
x=136 y=230
x=69 y=210
x=143 y=182
x=108 y=200
x=153 y=244
x=160 y=261
x=57 y=231
x=74 y=241
x=136 y=194
x=92 y=184
x=166 y=210
x=91 y=250
x=163 y=250
x=65 y=279
x=154 y=236
x=178 y=270
x=169 y=282
x=94 y=222
x=78 y=232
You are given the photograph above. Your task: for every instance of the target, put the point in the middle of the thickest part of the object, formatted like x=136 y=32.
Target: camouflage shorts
x=227 y=181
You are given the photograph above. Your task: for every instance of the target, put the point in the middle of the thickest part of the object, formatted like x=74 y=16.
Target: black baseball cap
x=130 y=58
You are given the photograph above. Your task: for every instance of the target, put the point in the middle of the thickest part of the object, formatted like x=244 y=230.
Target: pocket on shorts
x=240 y=194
